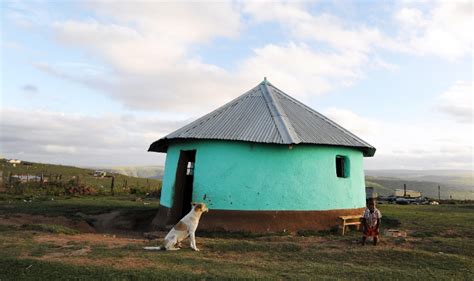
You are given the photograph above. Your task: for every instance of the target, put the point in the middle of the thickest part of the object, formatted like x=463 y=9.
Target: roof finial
x=265 y=80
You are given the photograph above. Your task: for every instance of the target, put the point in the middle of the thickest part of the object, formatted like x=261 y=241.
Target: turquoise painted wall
x=245 y=176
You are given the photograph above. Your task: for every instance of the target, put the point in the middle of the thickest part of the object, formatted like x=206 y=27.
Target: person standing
x=371 y=222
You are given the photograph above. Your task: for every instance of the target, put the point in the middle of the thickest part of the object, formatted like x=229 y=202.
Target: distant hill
x=452 y=177
x=64 y=174
x=456 y=184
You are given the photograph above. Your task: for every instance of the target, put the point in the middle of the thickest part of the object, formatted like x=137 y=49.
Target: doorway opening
x=183 y=189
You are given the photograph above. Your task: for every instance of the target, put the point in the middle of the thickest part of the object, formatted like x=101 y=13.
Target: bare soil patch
x=79 y=252
x=24 y=219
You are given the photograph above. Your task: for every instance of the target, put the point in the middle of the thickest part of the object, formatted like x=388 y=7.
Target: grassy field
x=59 y=177
x=48 y=240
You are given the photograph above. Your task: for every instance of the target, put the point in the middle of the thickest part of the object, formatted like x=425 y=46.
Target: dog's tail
x=159 y=248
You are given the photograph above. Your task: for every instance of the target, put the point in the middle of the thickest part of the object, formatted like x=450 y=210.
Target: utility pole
x=439 y=193
x=404 y=190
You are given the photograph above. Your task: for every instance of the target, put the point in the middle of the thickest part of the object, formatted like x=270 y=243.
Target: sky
x=94 y=83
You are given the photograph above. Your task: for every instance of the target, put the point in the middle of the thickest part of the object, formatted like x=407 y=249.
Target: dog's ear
x=198 y=207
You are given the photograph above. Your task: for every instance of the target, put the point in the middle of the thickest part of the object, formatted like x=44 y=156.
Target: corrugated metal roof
x=266 y=115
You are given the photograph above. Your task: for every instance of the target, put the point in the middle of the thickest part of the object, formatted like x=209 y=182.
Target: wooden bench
x=349 y=220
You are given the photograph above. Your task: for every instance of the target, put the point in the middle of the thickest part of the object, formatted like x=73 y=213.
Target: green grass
x=429 y=221
x=440 y=246
x=70 y=176
x=28 y=269
x=73 y=207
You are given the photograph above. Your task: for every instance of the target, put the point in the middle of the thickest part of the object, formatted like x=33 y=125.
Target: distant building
x=263 y=162
x=409 y=193
x=100 y=173
x=14 y=162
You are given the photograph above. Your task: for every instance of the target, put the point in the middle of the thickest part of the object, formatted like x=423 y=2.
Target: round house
x=263 y=162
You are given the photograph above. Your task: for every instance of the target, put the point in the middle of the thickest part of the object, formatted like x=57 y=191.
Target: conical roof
x=265 y=114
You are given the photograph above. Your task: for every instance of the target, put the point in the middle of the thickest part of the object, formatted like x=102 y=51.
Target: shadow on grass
x=51 y=228
x=390 y=222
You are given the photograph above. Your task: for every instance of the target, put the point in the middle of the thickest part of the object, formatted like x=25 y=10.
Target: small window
x=342 y=166
x=190 y=169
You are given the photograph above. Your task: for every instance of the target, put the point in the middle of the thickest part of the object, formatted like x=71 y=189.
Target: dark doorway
x=183 y=189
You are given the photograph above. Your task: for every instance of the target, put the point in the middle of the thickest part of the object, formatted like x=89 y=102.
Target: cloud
x=150 y=66
x=191 y=86
x=123 y=47
x=186 y=22
x=29 y=88
x=26 y=15
x=457 y=101
x=442 y=28
x=378 y=63
x=148 y=37
x=417 y=161
x=321 y=27
x=410 y=146
x=13 y=46
x=61 y=149
x=303 y=70
x=173 y=89
x=146 y=50
x=56 y=137
x=353 y=122
x=444 y=31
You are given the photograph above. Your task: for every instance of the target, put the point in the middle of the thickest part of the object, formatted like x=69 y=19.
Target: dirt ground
x=99 y=248
x=102 y=233
x=26 y=219
x=90 y=237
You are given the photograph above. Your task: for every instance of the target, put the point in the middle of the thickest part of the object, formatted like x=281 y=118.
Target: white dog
x=185 y=227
